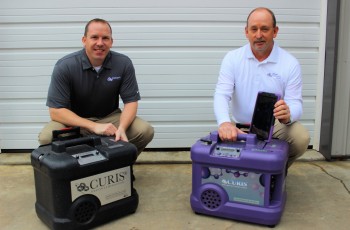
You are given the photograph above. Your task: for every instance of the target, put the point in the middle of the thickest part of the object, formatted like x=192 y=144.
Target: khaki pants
x=140 y=132
x=297 y=137
x=295 y=134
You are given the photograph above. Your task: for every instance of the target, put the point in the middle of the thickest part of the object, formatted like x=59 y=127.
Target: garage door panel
x=176 y=47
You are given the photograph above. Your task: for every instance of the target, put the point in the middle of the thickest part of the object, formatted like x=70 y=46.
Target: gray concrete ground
x=318 y=195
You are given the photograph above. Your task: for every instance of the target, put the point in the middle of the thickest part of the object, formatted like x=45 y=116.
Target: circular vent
x=84 y=212
x=84 y=209
x=211 y=199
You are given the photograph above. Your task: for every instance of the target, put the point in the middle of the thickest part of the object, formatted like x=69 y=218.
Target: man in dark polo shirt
x=85 y=89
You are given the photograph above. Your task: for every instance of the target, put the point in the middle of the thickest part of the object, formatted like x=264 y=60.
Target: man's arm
x=69 y=118
x=291 y=108
x=126 y=118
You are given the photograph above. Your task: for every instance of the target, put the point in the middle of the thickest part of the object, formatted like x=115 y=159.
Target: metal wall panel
x=341 y=128
x=177 y=48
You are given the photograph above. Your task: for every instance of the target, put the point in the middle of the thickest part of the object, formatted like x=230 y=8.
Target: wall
x=176 y=47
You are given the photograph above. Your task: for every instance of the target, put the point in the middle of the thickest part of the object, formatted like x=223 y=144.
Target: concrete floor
x=318 y=195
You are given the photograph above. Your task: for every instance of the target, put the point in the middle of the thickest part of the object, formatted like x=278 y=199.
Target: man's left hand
x=282 y=112
x=121 y=135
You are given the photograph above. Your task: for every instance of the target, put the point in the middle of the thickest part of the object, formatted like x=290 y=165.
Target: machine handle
x=60 y=146
x=66 y=133
x=249 y=138
x=242 y=137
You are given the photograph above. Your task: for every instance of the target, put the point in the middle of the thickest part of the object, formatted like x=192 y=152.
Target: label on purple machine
x=243 y=187
x=108 y=187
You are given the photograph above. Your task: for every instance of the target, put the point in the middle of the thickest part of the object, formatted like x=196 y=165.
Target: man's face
x=260 y=33
x=97 y=42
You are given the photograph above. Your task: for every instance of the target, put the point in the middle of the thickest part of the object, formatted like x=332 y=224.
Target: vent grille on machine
x=211 y=199
x=85 y=212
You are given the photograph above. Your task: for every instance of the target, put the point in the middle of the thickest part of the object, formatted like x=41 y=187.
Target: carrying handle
x=242 y=137
x=61 y=146
x=66 y=133
x=249 y=138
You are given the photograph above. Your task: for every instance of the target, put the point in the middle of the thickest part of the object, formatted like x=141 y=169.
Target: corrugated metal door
x=341 y=128
x=177 y=48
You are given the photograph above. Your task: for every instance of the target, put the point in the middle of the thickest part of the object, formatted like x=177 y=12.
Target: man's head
x=97 y=40
x=260 y=30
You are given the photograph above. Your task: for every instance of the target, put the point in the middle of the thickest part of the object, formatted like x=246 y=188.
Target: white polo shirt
x=242 y=76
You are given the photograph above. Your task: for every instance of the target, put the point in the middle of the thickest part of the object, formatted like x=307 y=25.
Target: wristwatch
x=289 y=122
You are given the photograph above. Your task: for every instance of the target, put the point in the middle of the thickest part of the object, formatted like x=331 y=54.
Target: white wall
x=176 y=47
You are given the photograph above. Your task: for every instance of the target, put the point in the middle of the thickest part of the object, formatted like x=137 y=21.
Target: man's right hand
x=107 y=129
x=69 y=118
x=228 y=131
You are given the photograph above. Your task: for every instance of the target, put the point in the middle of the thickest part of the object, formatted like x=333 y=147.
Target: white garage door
x=176 y=46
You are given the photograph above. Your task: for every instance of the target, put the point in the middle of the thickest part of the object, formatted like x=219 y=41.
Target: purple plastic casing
x=253 y=156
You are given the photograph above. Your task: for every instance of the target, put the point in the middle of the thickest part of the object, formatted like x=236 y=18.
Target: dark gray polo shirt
x=76 y=85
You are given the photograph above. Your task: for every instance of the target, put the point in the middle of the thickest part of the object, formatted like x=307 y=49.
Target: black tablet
x=263 y=119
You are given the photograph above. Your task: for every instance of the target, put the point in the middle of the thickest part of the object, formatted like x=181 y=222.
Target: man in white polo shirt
x=261 y=65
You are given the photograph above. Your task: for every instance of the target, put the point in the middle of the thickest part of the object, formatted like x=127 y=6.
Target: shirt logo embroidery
x=112 y=78
x=274 y=75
